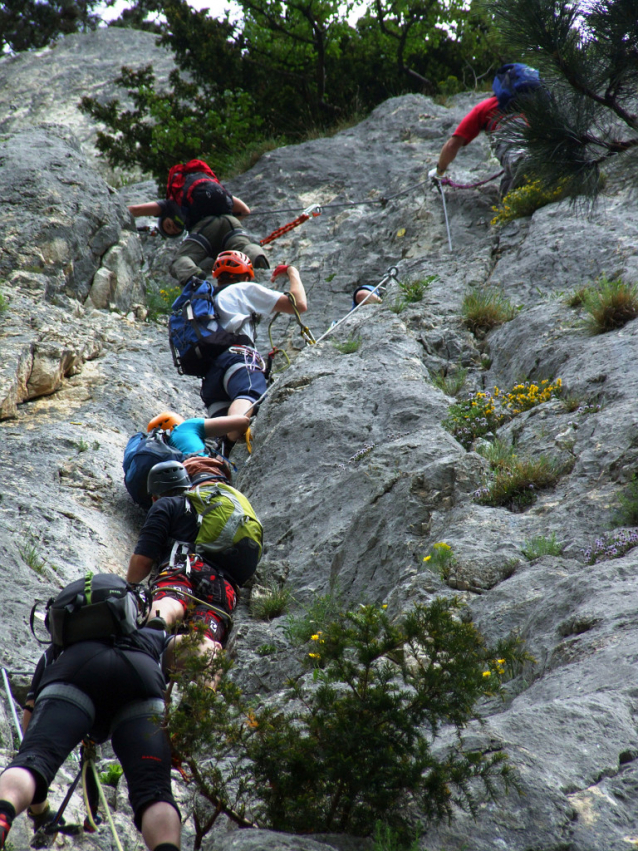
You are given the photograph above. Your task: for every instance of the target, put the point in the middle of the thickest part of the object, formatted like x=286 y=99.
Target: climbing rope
x=12 y=706
x=446 y=181
x=253 y=360
x=314 y=210
x=389 y=275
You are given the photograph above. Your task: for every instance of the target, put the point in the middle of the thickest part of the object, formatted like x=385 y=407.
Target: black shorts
x=98 y=690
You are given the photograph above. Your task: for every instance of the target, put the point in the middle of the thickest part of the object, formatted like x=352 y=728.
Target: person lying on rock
x=235 y=379
x=174 y=219
x=182 y=581
x=189 y=436
x=105 y=689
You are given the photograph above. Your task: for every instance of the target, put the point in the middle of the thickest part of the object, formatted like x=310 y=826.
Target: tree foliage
x=587 y=53
x=286 y=68
x=351 y=741
x=26 y=24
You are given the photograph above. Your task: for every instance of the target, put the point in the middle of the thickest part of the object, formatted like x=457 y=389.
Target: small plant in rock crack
x=484 y=309
x=473 y=417
x=575 y=403
x=4 y=303
x=29 y=549
x=269 y=602
x=577 y=297
x=366 y=449
x=159 y=299
x=441 y=558
x=413 y=291
x=516 y=485
x=542 y=546
x=266 y=649
x=610 y=546
x=450 y=382
x=112 y=775
x=81 y=445
x=348 y=347
x=627 y=512
x=610 y=304
x=499 y=453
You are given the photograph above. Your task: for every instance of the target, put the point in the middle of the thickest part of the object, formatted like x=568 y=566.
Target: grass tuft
x=485 y=309
x=610 y=305
x=348 y=347
x=542 y=546
x=451 y=382
x=270 y=602
x=516 y=485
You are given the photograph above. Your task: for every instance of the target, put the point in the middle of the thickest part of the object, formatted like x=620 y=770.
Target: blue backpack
x=195 y=335
x=513 y=80
x=142 y=452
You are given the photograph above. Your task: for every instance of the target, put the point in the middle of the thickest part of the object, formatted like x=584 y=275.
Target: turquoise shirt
x=189 y=437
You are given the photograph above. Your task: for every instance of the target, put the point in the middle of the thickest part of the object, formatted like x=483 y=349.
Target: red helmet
x=233 y=263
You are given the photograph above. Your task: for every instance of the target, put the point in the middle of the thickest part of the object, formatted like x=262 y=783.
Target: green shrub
x=4 y=304
x=269 y=603
x=348 y=347
x=451 y=382
x=353 y=741
x=472 y=418
x=499 y=454
x=516 y=485
x=577 y=297
x=314 y=618
x=160 y=299
x=526 y=200
x=610 y=305
x=484 y=309
x=542 y=546
x=112 y=775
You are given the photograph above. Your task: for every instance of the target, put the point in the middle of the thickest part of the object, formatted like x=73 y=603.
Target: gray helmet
x=167 y=476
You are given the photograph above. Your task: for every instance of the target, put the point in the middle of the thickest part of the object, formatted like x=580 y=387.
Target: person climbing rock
x=192 y=556
x=104 y=689
x=189 y=436
x=362 y=293
x=510 y=82
x=233 y=382
x=173 y=220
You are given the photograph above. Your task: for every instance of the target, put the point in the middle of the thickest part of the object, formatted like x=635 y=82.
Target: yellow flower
x=251 y=721
x=384 y=606
x=487 y=673
x=314 y=655
x=443 y=546
x=315 y=637
x=427 y=558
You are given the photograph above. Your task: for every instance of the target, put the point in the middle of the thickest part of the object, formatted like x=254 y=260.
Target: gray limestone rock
x=352 y=473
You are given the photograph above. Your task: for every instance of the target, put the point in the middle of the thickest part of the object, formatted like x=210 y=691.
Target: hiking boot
x=261 y=262
x=158 y=623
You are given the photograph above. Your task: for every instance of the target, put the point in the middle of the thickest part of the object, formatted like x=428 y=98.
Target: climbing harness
x=447 y=222
x=253 y=361
x=314 y=210
x=389 y=275
x=446 y=181
x=12 y=705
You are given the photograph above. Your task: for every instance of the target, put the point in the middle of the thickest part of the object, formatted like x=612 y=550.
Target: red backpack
x=184 y=177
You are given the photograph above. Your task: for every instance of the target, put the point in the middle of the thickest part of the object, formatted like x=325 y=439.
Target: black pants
x=97 y=690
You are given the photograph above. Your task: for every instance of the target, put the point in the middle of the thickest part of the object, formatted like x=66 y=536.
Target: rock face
x=353 y=475
x=46 y=85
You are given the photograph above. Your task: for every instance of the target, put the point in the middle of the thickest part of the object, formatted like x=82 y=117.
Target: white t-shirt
x=236 y=303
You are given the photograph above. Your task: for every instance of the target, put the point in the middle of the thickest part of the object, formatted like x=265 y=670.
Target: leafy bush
x=485 y=309
x=528 y=394
x=526 y=200
x=451 y=382
x=348 y=347
x=610 y=305
x=269 y=602
x=611 y=546
x=472 y=418
x=159 y=300
x=542 y=546
x=516 y=485
x=314 y=618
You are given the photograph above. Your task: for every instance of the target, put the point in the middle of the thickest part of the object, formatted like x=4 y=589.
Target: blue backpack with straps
x=195 y=334
x=142 y=452
x=513 y=80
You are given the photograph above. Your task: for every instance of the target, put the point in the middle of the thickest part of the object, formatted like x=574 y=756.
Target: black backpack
x=98 y=606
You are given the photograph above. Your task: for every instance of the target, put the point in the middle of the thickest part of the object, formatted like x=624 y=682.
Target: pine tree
x=26 y=24
x=587 y=115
